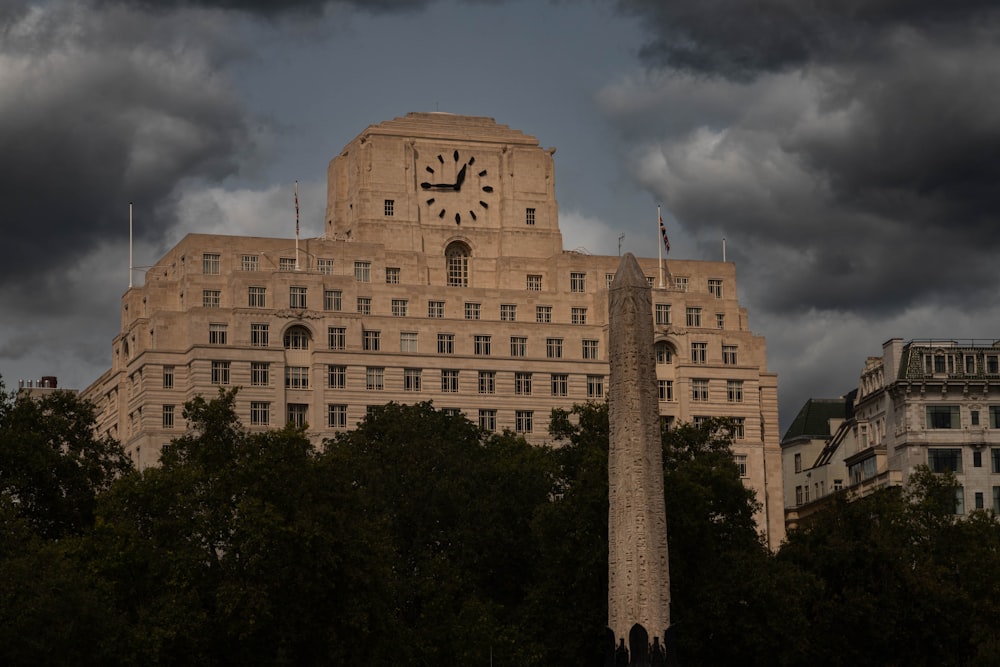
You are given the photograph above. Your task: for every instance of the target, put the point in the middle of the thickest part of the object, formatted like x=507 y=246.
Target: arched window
x=664 y=353
x=457 y=258
x=297 y=338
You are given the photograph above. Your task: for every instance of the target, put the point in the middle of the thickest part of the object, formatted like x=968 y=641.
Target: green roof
x=813 y=420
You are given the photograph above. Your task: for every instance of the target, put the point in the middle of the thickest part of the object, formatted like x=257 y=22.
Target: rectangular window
x=260 y=413
x=595 y=386
x=608 y=279
x=553 y=348
x=798 y=462
x=979 y=500
x=977 y=459
x=995 y=456
x=336 y=376
x=577 y=282
x=529 y=216
x=446 y=343
x=249 y=263
x=472 y=311
x=217 y=334
x=665 y=389
x=942 y=460
x=297 y=377
x=560 y=384
x=590 y=349
x=943 y=416
x=974 y=417
x=286 y=264
x=333 y=299
x=296 y=338
x=435 y=309
x=363 y=272
x=699 y=390
x=699 y=353
x=578 y=316
x=411 y=379
x=371 y=341
x=960 y=500
x=798 y=495
x=694 y=317
x=296 y=297
x=336 y=338
x=211 y=263
x=715 y=288
x=523 y=421
x=508 y=312
x=168 y=377
x=970 y=364
x=374 y=378
x=664 y=353
x=663 y=313
x=681 y=283
x=298 y=414
x=211 y=298
x=996 y=500
x=389 y=208
x=737 y=428
x=392 y=275
x=741 y=464
x=259 y=335
x=995 y=416
x=720 y=321
x=488 y=420
x=257 y=297
x=449 y=381
x=168 y=416
x=220 y=372
x=481 y=345
x=260 y=373
x=336 y=415
x=734 y=391
x=534 y=282
x=325 y=266
x=993 y=364
x=364 y=305
x=522 y=383
x=399 y=307
x=518 y=346
x=408 y=341
x=729 y=355
x=543 y=314
x=487 y=382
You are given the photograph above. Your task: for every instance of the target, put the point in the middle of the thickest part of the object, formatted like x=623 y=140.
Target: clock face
x=455 y=187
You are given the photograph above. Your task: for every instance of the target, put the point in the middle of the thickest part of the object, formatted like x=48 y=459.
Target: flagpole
x=130 y=269
x=296 y=225
x=659 y=243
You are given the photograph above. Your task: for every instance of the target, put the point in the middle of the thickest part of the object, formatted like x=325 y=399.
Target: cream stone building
x=441 y=277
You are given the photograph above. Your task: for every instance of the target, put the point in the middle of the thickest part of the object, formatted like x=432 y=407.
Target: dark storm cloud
x=272 y=8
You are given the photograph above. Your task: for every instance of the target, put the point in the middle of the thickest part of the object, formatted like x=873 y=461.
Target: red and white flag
x=297 y=211
x=663 y=230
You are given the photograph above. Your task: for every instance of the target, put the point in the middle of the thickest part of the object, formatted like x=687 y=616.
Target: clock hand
x=461 y=177
x=438 y=186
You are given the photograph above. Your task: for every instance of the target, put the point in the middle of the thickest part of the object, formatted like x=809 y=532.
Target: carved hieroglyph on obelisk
x=638 y=577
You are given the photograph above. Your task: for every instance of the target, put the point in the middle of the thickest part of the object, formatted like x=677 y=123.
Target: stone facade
x=440 y=277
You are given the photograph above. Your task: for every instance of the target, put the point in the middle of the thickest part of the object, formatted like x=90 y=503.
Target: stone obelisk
x=638 y=577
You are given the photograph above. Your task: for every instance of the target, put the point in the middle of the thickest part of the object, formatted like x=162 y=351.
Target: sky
x=847 y=150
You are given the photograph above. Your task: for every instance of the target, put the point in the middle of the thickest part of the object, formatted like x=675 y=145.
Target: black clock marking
x=487 y=188
x=430 y=201
x=458 y=218
x=456 y=156
x=483 y=204
x=482 y=173
x=473 y=215
x=440 y=159
x=441 y=214
x=430 y=170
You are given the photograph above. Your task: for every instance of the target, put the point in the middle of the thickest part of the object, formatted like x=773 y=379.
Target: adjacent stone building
x=441 y=277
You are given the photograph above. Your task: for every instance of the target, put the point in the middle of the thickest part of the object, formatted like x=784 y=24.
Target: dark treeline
x=418 y=539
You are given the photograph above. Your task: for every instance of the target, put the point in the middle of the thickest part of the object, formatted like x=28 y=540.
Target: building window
x=399 y=307
x=681 y=283
x=518 y=346
x=970 y=364
x=168 y=416
x=720 y=321
x=472 y=311
x=297 y=414
x=737 y=428
x=595 y=386
x=995 y=456
x=325 y=266
x=371 y=341
x=996 y=500
x=446 y=343
x=577 y=282
x=995 y=416
x=534 y=282
x=457 y=262
x=488 y=420
x=974 y=417
x=389 y=208
x=960 y=500
x=260 y=372
x=286 y=264
x=249 y=263
x=333 y=299
x=798 y=495
x=336 y=338
x=543 y=314
x=522 y=383
x=364 y=305
x=481 y=345
x=943 y=460
x=392 y=275
x=257 y=297
x=590 y=349
x=523 y=421
x=449 y=381
x=943 y=416
x=979 y=500
x=699 y=353
x=168 y=377
x=363 y=272
x=220 y=372
x=336 y=415
x=411 y=379
x=715 y=288
x=374 y=378
x=260 y=413
x=578 y=316
x=211 y=298
x=729 y=355
x=487 y=382
x=993 y=364
x=977 y=459
x=734 y=391
x=838 y=485
x=663 y=313
x=608 y=279
x=217 y=334
x=296 y=297
x=408 y=341
x=694 y=317
x=699 y=390
x=297 y=377
x=211 y=263
x=435 y=309
x=741 y=464
x=664 y=353
x=508 y=312
x=560 y=384
x=529 y=216
x=259 y=335
x=553 y=348
x=336 y=376
x=297 y=338
x=649 y=281
x=798 y=462
x=665 y=388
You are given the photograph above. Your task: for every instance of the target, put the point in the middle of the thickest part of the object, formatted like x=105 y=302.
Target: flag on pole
x=663 y=230
x=297 y=209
